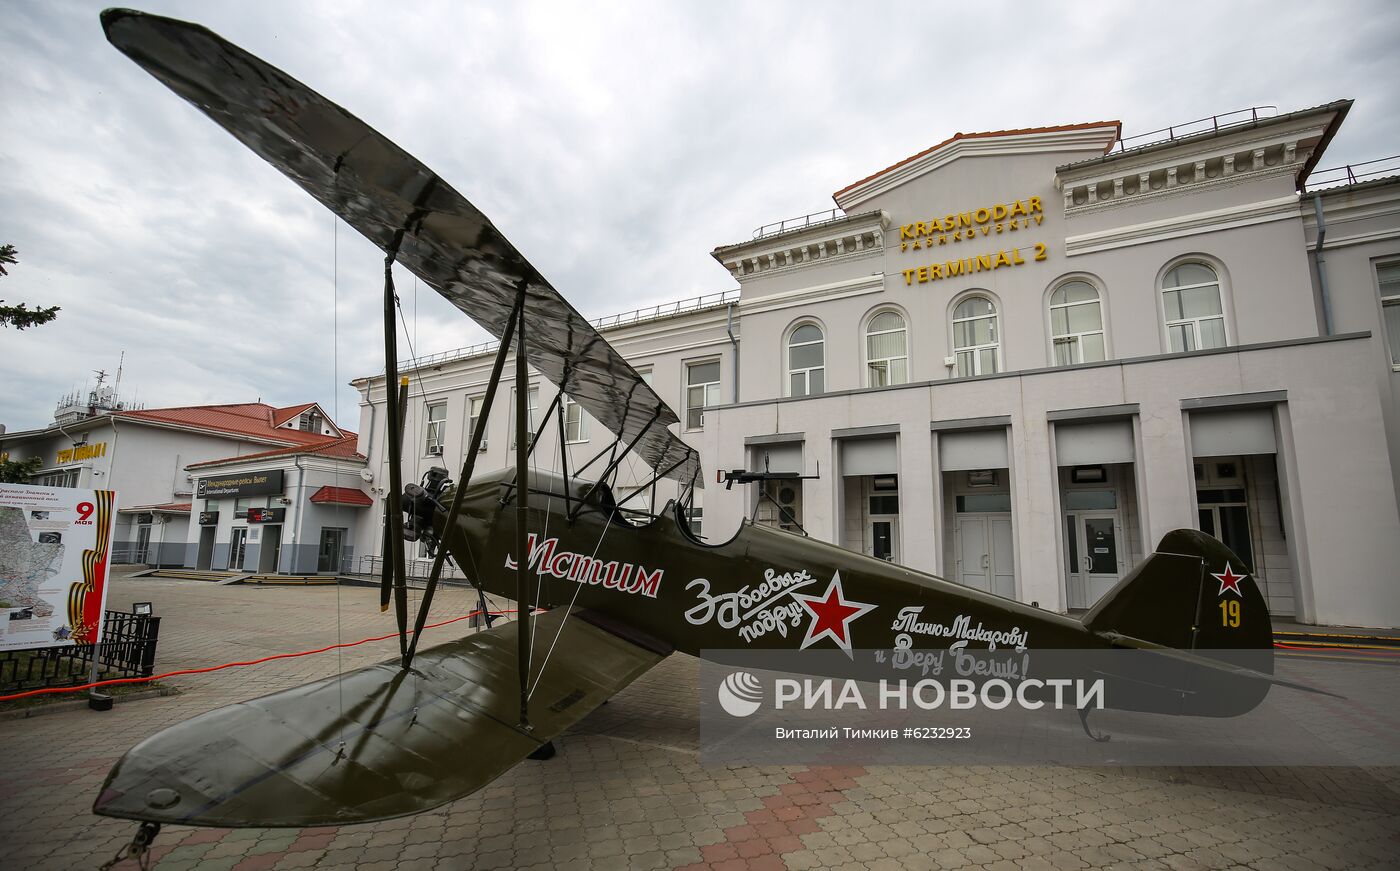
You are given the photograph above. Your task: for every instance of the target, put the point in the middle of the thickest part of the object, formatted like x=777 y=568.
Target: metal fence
x=1354 y=173
x=371 y=566
x=1209 y=124
x=812 y=220
x=128 y=649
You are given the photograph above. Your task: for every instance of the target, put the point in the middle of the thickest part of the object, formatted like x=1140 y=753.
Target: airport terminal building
x=1017 y=359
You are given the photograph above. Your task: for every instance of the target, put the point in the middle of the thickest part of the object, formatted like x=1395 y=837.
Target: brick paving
x=627 y=789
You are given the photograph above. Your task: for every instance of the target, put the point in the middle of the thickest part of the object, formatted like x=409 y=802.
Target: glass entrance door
x=143 y=544
x=1225 y=515
x=1092 y=554
x=883 y=539
x=237 y=544
x=328 y=555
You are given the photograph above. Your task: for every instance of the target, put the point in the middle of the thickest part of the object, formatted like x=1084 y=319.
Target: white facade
x=302 y=537
x=1020 y=358
x=143 y=455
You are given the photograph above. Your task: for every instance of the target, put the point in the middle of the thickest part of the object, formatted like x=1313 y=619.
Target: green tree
x=21 y=316
x=18 y=471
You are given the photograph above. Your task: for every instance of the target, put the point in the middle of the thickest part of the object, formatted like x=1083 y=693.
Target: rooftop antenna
x=117 y=385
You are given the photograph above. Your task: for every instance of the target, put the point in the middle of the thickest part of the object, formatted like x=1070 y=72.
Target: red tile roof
x=983 y=135
x=340 y=496
x=249 y=419
x=339 y=449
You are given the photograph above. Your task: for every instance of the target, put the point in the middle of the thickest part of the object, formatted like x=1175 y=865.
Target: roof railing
x=637 y=315
x=1352 y=173
x=1209 y=124
x=812 y=220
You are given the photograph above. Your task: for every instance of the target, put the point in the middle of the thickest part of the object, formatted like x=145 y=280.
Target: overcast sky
x=615 y=144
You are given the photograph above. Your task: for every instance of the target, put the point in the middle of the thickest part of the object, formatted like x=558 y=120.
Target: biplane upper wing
x=378 y=742
x=401 y=205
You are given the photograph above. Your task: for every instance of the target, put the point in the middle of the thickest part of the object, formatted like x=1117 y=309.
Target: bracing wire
x=335 y=414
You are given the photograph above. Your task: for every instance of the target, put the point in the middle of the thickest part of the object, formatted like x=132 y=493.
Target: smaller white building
x=287 y=511
x=142 y=453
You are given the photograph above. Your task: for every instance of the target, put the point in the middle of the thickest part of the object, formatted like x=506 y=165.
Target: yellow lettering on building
x=969 y=265
x=995 y=218
x=82 y=452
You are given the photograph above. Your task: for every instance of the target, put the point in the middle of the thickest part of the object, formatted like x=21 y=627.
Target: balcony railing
x=812 y=220
x=667 y=309
x=1351 y=173
x=1211 y=124
x=637 y=315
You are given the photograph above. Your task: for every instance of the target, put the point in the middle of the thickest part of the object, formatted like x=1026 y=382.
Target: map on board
x=54 y=548
x=26 y=565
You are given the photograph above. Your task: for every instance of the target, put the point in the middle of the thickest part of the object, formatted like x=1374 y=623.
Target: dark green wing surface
x=378 y=742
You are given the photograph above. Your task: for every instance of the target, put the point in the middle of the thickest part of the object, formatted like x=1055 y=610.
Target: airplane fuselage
x=762 y=589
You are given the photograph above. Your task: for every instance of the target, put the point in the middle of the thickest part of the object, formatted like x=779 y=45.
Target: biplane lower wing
x=379 y=742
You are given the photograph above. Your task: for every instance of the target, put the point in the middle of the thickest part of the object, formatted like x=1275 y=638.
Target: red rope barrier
x=125 y=680
x=1363 y=651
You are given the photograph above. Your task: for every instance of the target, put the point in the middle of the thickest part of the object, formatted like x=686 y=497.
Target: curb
x=78 y=705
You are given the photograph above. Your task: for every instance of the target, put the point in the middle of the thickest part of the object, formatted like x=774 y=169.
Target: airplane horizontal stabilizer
x=378 y=742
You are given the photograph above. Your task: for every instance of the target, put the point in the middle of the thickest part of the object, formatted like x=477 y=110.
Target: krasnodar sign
x=985 y=221
x=54 y=548
x=999 y=218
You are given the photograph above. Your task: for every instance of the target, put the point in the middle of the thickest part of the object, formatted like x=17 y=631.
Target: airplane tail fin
x=1193 y=596
x=1194 y=593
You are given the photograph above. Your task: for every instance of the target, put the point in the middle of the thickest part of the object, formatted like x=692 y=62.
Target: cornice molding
x=1280 y=208
x=861 y=236
x=1207 y=149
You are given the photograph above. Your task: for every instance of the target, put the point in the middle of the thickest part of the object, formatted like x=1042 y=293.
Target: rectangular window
x=241 y=506
x=701 y=391
x=532 y=401
x=474 y=407
x=58 y=479
x=695 y=517
x=575 y=425
x=646 y=376
x=436 y=429
x=1388 y=280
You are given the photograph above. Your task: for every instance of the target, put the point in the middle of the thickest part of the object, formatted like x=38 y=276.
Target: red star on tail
x=1229 y=581
x=832 y=614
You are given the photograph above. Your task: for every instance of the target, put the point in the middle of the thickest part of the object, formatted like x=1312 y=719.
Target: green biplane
x=613 y=590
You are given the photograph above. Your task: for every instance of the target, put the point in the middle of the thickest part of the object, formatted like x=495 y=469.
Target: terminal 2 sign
x=998 y=219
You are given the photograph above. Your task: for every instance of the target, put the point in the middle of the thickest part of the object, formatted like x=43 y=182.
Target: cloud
x=615 y=144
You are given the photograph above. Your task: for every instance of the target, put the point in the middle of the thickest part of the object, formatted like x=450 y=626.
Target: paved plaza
x=627 y=789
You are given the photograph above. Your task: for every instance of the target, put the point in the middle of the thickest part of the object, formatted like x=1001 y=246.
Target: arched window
x=1192 y=309
x=1076 y=323
x=886 y=350
x=975 y=342
x=806 y=359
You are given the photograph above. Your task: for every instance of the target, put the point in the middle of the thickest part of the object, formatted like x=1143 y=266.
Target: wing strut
x=395 y=445
x=386 y=566
x=468 y=466
x=522 y=507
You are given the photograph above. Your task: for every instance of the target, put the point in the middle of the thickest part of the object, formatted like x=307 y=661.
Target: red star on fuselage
x=1229 y=581
x=832 y=614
